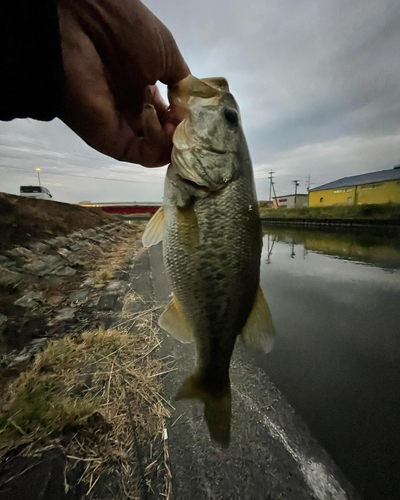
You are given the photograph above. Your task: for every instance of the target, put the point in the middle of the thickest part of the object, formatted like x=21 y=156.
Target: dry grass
x=102 y=392
x=107 y=264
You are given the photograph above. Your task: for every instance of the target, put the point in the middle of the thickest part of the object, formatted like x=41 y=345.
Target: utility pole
x=296 y=185
x=38 y=174
x=276 y=199
x=271 y=176
x=308 y=183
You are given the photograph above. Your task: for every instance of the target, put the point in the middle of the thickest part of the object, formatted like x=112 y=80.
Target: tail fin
x=217 y=411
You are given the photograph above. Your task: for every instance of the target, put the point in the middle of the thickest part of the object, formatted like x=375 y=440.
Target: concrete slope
x=272 y=454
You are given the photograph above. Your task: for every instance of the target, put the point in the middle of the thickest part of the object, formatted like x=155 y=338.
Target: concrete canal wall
x=321 y=223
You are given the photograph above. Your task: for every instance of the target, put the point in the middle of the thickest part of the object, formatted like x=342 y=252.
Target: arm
x=113 y=53
x=32 y=75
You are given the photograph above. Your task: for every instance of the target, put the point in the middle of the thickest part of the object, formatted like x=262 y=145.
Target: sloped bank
x=26 y=220
x=45 y=286
x=85 y=417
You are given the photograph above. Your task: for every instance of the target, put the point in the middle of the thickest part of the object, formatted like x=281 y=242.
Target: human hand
x=114 y=51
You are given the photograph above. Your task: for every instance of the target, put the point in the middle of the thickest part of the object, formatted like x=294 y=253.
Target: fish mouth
x=193 y=184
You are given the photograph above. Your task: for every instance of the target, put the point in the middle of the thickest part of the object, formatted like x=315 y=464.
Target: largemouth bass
x=211 y=232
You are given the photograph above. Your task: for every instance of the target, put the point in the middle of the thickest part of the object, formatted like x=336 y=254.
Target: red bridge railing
x=125 y=208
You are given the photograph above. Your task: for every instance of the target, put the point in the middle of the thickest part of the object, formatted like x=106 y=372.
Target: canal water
x=335 y=301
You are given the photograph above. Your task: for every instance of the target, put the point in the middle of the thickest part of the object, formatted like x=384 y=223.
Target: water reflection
x=375 y=248
x=335 y=300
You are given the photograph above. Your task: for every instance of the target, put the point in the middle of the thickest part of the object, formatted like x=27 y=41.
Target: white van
x=35 y=192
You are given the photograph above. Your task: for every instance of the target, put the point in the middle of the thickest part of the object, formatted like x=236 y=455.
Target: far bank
x=382 y=215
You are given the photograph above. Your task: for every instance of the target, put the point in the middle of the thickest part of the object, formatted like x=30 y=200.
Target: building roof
x=288 y=195
x=392 y=174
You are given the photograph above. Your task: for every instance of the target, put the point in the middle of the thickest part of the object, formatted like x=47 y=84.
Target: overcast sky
x=317 y=81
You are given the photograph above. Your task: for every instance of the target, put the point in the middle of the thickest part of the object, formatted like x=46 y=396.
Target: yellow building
x=375 y=187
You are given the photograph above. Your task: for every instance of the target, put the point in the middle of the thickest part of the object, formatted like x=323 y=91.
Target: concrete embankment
x=45 y=285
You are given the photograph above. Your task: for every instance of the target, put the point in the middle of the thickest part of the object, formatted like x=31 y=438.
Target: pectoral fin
x=175 y=323
x=154 y=232
x=259 y=330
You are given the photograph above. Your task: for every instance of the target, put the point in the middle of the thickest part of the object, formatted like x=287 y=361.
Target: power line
x=57 y=154
x=77 y=163
x=52 y=150
x=48 y=155
x=80 y=176
x=47 y=146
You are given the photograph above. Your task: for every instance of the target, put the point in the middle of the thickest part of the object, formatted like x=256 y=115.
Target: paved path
x=272 y=454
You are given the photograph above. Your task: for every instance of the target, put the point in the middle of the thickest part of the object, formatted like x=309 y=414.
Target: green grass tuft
x=42 y=398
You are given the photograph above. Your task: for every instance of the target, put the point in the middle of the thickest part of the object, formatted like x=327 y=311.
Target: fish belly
x=212 y=263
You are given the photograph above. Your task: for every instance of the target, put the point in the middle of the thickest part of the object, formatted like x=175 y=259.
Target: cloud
x=69 y=168
x=317 y=83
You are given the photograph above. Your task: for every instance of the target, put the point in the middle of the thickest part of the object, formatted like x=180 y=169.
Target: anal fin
x=259 y=330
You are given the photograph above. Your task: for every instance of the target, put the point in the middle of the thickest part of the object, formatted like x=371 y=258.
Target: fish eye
x=231 y=116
